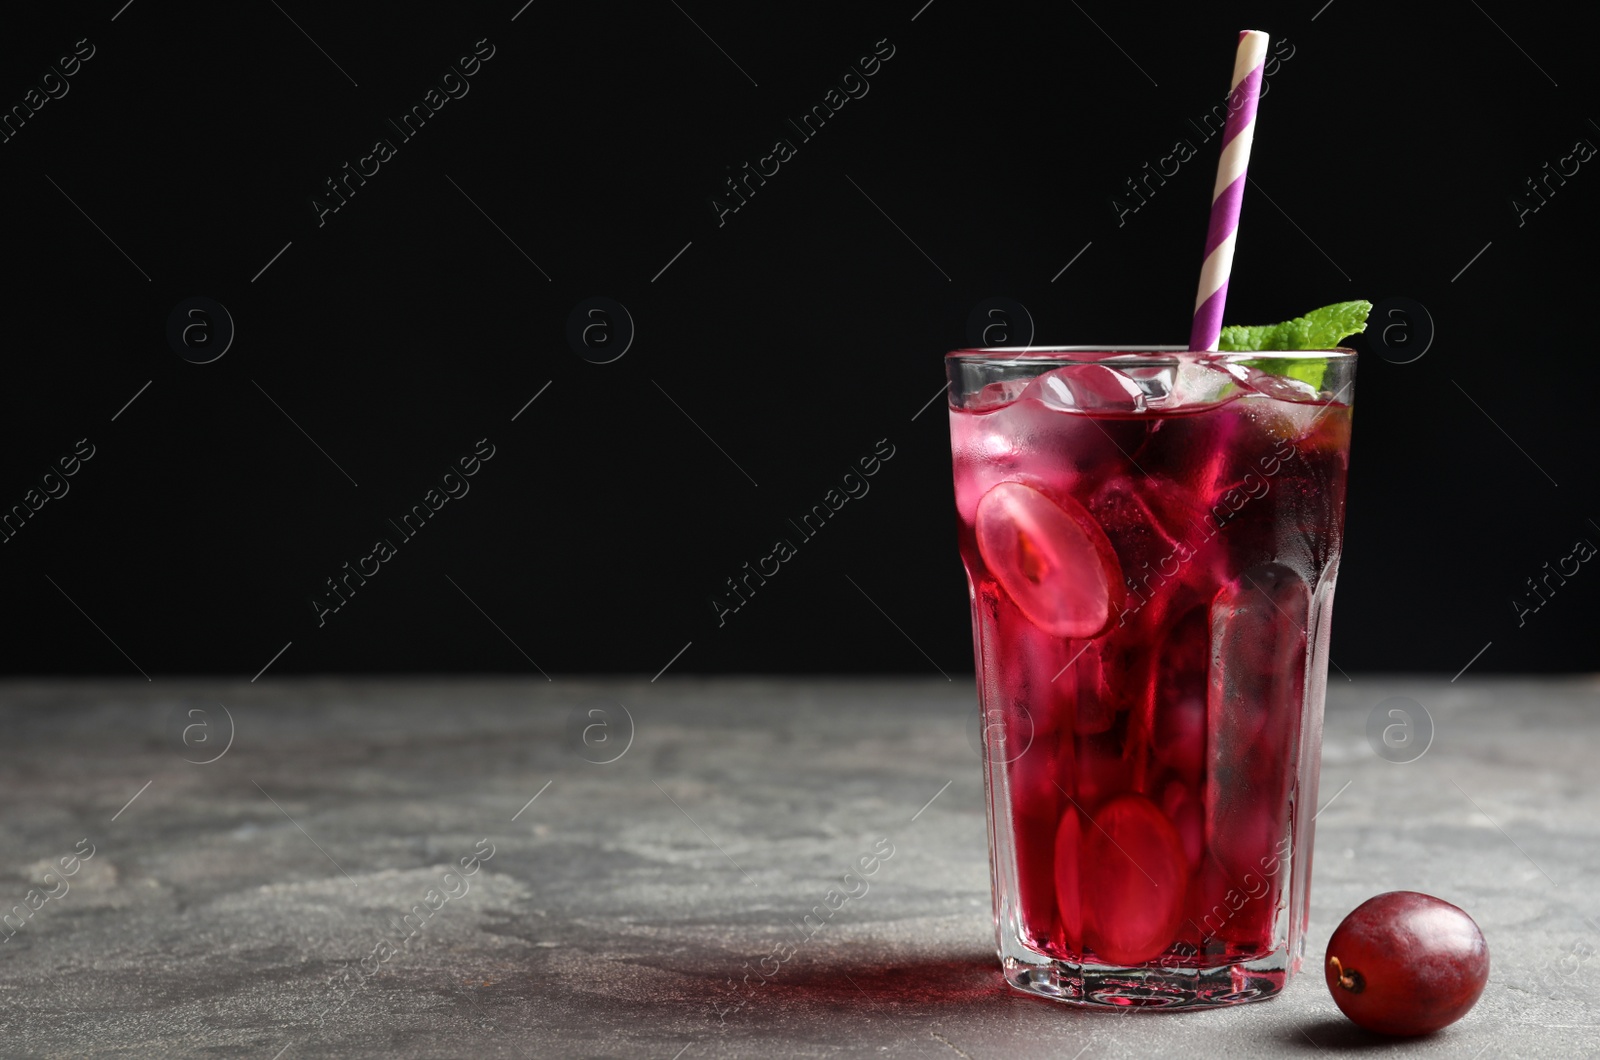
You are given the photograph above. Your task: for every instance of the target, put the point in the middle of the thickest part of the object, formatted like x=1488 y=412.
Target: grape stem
x=1351 y=980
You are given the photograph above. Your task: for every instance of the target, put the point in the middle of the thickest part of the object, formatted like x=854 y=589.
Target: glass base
x=1102 y=986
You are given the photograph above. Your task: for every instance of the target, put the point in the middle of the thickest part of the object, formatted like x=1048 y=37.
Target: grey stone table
x=254 y=905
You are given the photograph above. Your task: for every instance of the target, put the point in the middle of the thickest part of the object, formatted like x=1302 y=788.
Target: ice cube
x=1051 y=558
x=1021 y=439
x=1200 y=381
x=1089 y=388
x=1156 y=380
x=1101 y=768
x=1036 y=802
x=1035 y=777
x=993 y=395
x=1181 y=804
x=1181 y=686
x=1150 y=516
x=1282 y=387
x=1255 y=708
x=984 y=450
x=1180 y=736
x=1092 y=704
x=1258 y=638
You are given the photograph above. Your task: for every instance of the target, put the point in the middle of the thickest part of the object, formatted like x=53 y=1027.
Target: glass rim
x=1094 y=354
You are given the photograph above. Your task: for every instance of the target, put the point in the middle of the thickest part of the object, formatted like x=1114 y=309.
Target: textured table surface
x=253 y=905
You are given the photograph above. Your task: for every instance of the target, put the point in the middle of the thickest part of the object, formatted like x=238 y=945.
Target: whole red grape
x=1406 y=963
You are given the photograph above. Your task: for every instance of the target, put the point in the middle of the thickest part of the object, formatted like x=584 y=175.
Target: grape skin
x=1405 y=963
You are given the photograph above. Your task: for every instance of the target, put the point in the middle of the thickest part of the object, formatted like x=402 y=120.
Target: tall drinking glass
x=1151 y=538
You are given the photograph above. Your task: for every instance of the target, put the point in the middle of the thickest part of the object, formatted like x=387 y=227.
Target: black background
x=797 y=334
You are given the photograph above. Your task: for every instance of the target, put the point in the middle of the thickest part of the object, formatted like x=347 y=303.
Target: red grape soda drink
x=1151 y=538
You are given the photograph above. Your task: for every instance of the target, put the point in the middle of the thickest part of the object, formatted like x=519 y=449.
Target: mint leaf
x=1319 y=329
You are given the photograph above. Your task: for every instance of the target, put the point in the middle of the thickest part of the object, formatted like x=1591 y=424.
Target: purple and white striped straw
x=1226 y=197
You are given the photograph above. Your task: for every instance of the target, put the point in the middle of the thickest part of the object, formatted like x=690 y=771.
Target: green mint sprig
x=1320 y=329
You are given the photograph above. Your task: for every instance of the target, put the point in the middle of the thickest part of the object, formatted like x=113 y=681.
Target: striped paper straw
x=1228 y=194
